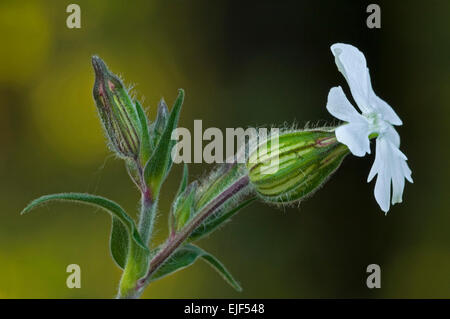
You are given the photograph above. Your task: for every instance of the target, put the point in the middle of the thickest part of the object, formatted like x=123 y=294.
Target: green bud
x=162 y=117
x=117 y=112
x=183 y=207
x=288 y=168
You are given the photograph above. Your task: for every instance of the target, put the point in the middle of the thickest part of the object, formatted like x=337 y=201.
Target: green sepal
x=146 y=147
x=158 y=165
x=122 y=224
x=211 y=224
x=185 y=256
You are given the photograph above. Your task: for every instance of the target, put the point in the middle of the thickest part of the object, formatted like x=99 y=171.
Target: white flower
x=376 y=118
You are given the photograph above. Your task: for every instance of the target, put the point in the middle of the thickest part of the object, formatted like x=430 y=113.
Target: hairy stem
x=147 y=215
x=136 y=260
x=148 y=206
x=175 y=241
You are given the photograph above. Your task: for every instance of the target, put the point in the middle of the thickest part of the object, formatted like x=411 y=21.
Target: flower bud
x=294 y=164
x=117 y=112
x=162 y=117
x=183 y=206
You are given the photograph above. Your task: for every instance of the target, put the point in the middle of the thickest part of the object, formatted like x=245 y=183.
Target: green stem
x=147 y=216
x=137 y=261
x=149 y=202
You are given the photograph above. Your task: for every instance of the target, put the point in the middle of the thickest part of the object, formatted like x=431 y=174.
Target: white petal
x=391 y=167
x=340 y=107
x=383 y=108
x=352 y=64
x=382 y=191
x=403 y=167
x=407 y=172
x=378 y=163
x=398 y=180
x=381 y=167
x=392 y=135
x=401 y=172
x=356 y=136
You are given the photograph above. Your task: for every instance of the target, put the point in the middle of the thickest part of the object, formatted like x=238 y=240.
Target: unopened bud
x=296 y=165
x=117 y=112
x=160 y=123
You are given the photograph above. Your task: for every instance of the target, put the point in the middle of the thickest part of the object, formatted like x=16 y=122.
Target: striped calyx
x=117 y=112
x=291 y=166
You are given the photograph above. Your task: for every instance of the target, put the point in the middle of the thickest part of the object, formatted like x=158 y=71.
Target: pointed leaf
x=184 y=180
x=158 y=165
x=119 y=235
x=186 y=256
x=223 y=272
x=118 y=242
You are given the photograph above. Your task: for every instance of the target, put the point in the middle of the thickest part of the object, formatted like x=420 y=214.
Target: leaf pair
x=151 y=133
x=185 y=256
x=123 y=231
x=160 y=162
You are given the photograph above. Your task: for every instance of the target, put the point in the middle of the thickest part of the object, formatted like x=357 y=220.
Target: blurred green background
x=241 y=64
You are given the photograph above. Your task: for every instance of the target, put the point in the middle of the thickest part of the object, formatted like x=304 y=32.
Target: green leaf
x=158 y=165
x=122 y=224
x=184 y=180
x=223 y=272
x=183 y=206
x=118 y=242
x=215 y=221
x=181 y=189
x=185 y=256
x=146 y=147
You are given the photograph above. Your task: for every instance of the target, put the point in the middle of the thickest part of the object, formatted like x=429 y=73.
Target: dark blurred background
x=241 y=64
